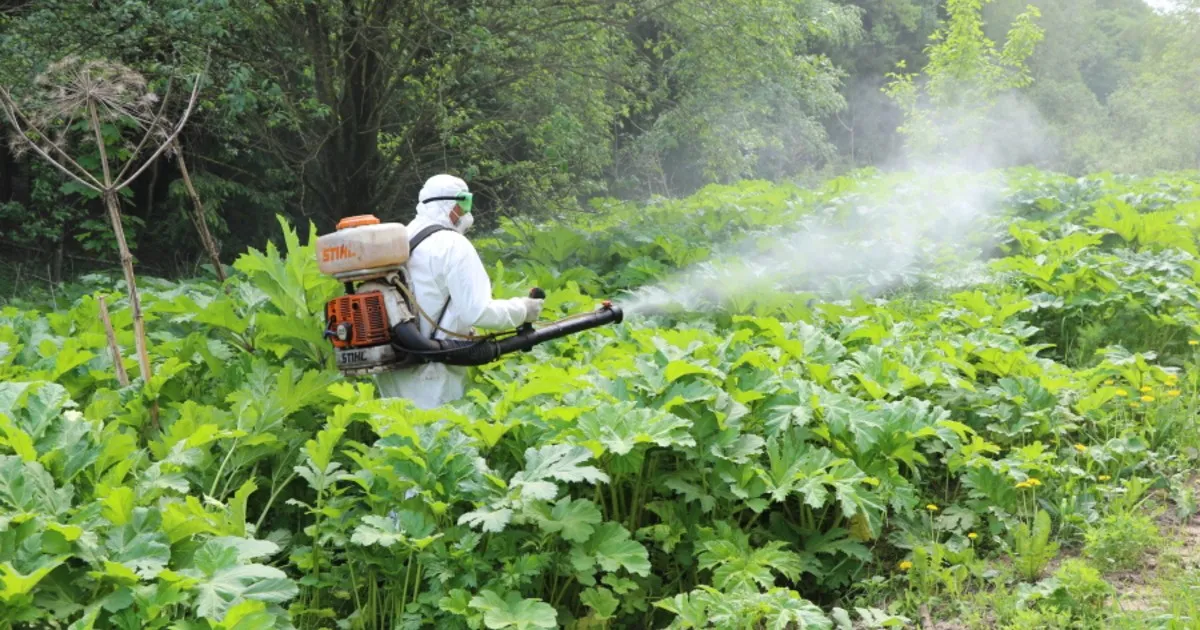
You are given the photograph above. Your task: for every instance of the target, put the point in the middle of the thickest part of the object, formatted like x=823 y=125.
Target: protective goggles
x=463 y=199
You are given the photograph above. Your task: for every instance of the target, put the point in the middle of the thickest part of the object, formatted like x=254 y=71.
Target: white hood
x=438 y=212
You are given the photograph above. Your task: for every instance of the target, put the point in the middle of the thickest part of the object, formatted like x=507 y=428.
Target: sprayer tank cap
x=357 y=221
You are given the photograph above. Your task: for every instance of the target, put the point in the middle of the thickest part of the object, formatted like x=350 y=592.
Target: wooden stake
x=122 y=377
x=206 y=238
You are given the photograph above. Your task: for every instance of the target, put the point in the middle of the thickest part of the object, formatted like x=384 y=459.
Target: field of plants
x=991 y=427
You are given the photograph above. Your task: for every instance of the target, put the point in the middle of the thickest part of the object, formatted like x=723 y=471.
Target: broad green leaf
x=118 y=506
x=678 y=369
x=17 y=440
x=620 y=428
x=602 y=602
x=611 y=547
x=487 y=519
x=222 y=581
x=574 y=519
x=737 y=566
x=511 y=611
x=27 y=487
x=557 y=461
x=406 y=528
x=16 y=584
x=140 y=544
x=247 y=615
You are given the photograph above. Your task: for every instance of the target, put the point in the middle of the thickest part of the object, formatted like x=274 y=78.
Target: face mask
x=464 y=223
x=464 y=200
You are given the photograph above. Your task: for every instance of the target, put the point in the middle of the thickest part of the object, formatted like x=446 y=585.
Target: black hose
x=407 y=338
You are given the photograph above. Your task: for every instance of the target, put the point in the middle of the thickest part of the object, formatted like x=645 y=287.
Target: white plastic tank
x=362 y=247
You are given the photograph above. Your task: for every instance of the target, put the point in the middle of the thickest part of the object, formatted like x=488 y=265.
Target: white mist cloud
x=936 y=213
x=1163 y=5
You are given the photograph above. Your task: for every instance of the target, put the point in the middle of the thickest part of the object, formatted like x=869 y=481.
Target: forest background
x=315 y=111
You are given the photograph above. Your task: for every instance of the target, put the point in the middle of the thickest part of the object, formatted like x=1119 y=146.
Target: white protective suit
x=447 y=265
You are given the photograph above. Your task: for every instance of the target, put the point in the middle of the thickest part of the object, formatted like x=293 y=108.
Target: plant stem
x=122 y=376
x=354 y=584
x=404 y=589
x=206 y=239
x=225 y=460
x=417 y=582
x=274 y=493
x=109 y=195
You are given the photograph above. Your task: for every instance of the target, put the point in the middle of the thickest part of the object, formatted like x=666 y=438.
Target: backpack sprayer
x=374 y=326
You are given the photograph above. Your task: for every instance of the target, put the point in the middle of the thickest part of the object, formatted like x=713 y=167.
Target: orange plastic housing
x=367 y=316
x=357 y=220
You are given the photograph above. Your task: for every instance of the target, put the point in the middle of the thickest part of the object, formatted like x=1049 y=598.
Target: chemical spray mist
x=939 y=213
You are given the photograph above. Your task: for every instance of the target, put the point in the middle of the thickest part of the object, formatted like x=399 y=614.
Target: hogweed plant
x=857 y=462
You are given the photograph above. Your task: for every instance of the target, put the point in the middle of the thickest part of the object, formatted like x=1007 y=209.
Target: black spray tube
x=527 y=339
x=407 y=337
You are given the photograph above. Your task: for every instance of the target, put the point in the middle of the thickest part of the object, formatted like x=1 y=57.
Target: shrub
x=1119 y=541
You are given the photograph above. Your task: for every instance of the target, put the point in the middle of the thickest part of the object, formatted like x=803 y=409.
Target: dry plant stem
x=170 y=139
x=14 y=117
x=109 y=195
x=206 y=238
x=150 y=128
x=122 y=377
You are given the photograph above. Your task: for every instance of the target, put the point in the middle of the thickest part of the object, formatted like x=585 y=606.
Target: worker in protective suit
x=449 y=282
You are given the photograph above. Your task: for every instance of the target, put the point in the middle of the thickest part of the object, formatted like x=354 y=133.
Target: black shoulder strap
x=422 y=235
x=412 y=245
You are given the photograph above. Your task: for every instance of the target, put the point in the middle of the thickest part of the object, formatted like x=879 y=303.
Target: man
x=450 y=282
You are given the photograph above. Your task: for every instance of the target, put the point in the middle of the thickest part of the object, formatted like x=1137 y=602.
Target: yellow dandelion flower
x=1173 y=393
x=1023 y=484
x=1104 y=477
x=1134 y=404
x=1147 y=399
x=931 y=507
x=906 y=565
x=1193 y=342
x=1081 y=448
x=1108 y=382
x=1034 y=482
x=1146 y=389
x=972 y=535
x=1121 y=392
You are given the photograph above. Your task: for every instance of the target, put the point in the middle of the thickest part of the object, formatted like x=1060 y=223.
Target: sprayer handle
x=525 y=329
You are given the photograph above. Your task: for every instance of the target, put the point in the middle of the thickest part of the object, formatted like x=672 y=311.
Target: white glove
x=533 y=308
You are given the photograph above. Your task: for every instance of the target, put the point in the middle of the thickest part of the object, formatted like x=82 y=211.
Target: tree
x=365 y=99
x=1154 y=117
x=950 y=110
x=740 y=91
x=894 y=31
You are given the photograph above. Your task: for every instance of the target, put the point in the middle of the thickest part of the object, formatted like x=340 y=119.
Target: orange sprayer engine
x=373 y=328
x=368 y=257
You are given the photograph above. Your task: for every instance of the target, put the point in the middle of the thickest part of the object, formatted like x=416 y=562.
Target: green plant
x=762 y=459
x=1037 y=619
x=1078 y=588
x=1120 y=541
x=1031 y=548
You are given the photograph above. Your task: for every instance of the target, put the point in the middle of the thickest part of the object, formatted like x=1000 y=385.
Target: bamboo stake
x=122 y=377
x=206 y=238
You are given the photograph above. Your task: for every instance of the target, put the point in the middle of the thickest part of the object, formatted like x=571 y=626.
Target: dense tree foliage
x=318 y=110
